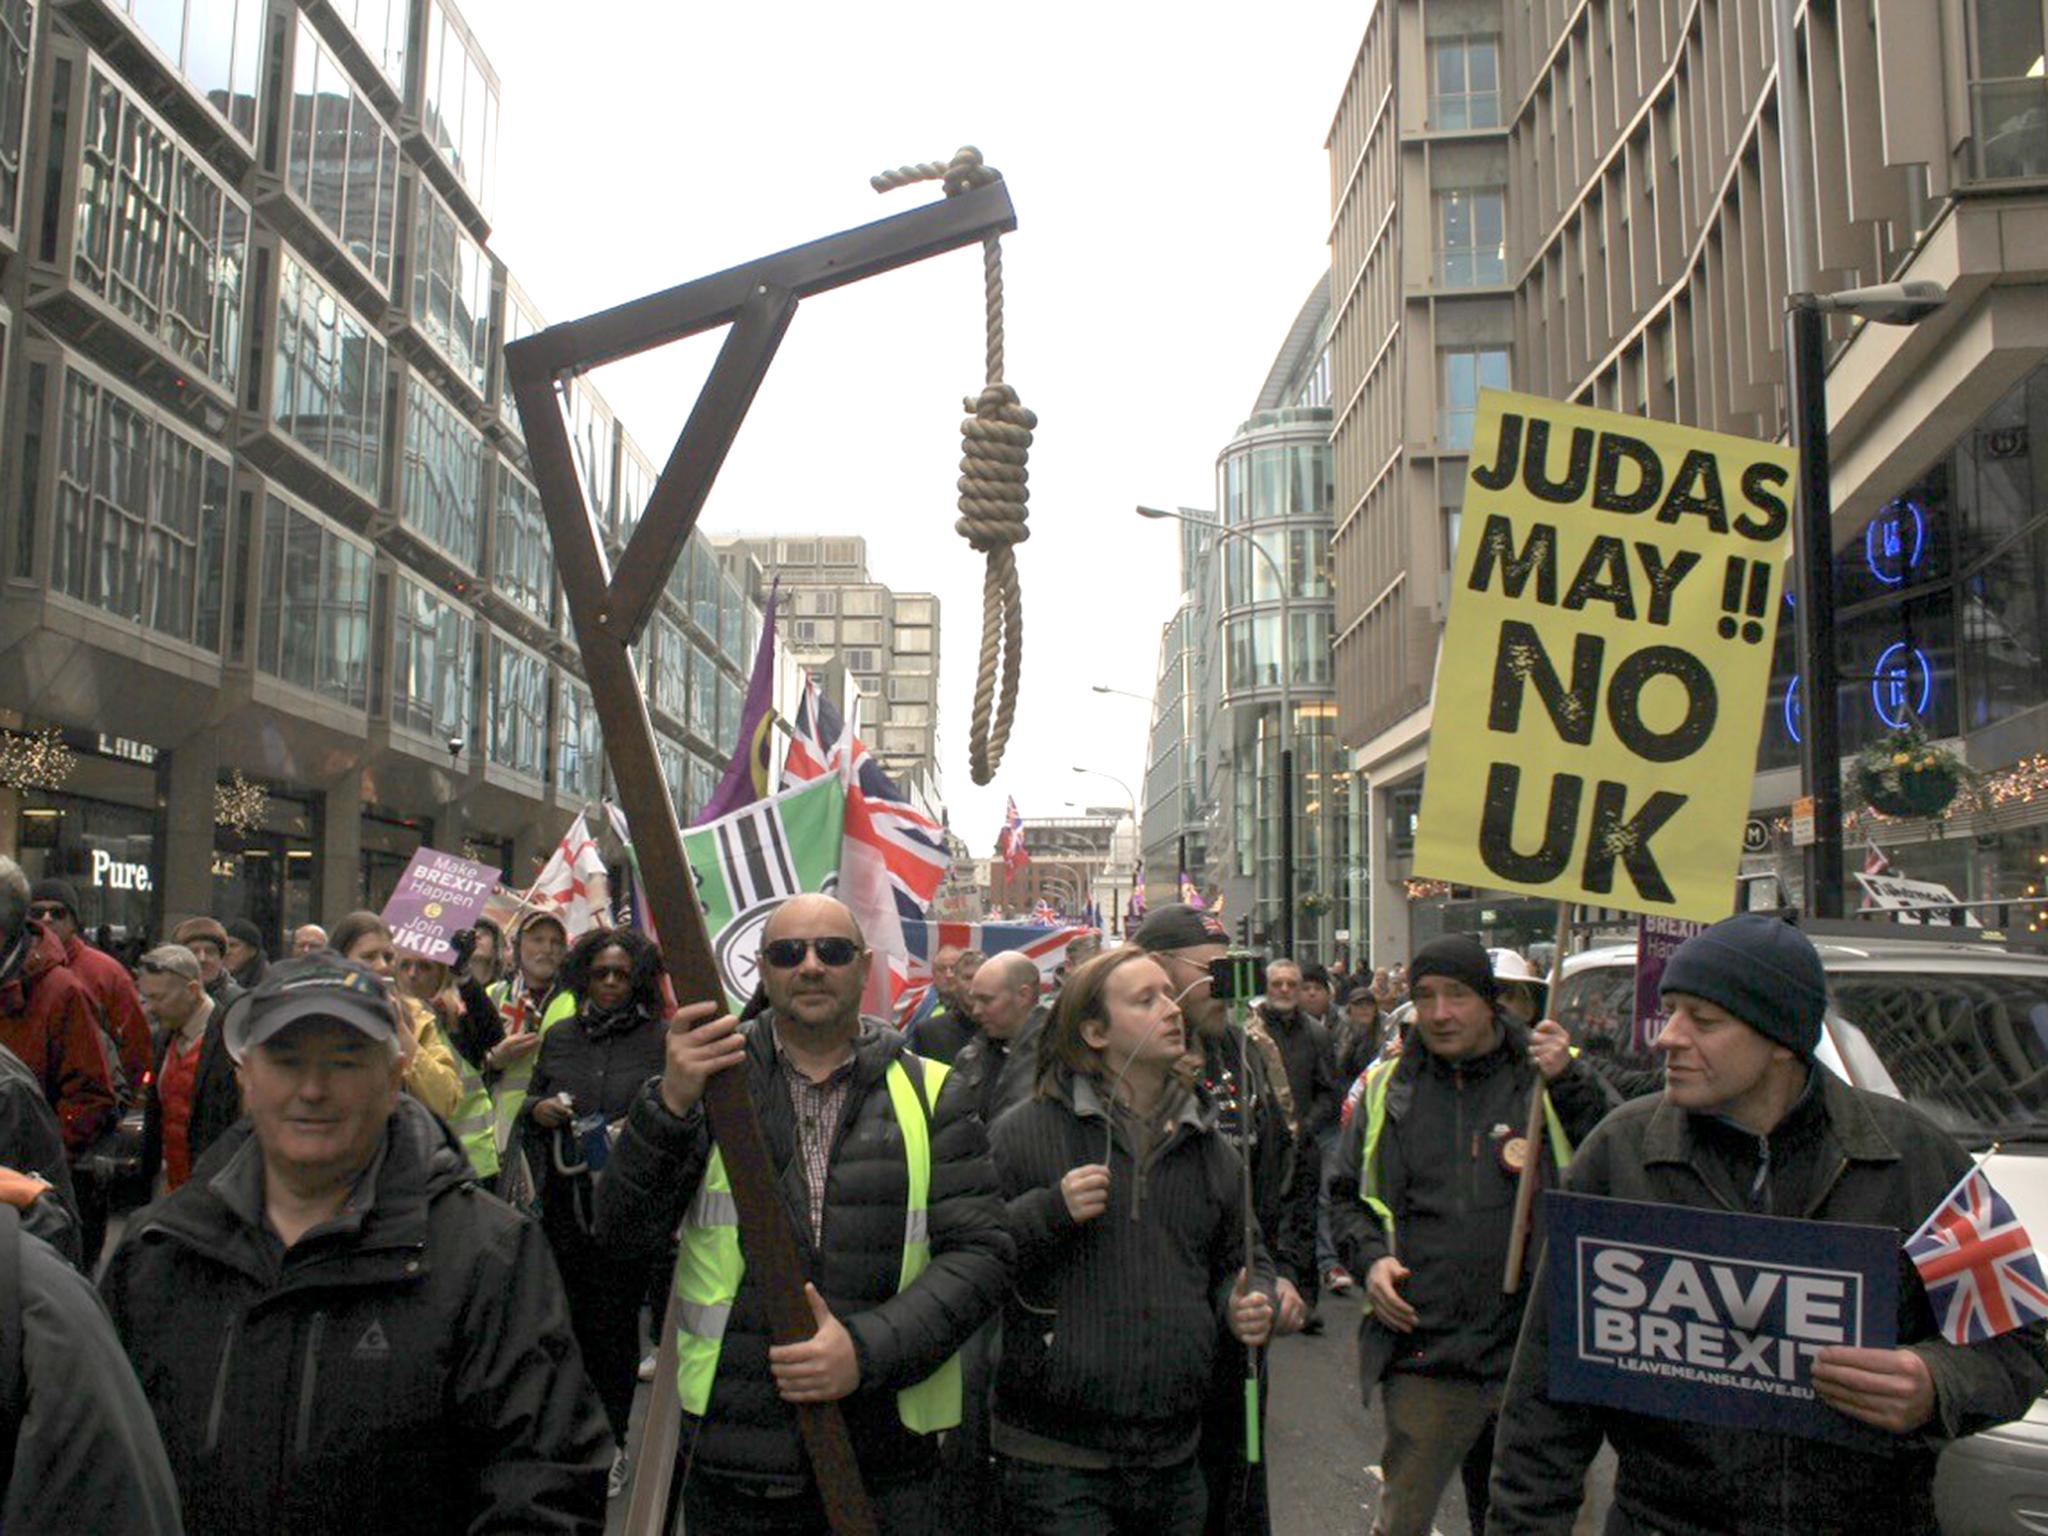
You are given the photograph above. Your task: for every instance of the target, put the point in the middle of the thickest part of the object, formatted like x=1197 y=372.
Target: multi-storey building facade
x=1087 y=858
x=1228 y=670
x=833 y=613
x=274 y=570
x=1642 y=266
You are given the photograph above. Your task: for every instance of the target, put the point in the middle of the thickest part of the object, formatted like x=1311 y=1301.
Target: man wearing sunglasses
x=897 y=1285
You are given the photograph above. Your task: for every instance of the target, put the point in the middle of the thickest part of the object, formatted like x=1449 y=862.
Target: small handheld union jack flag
x=1978 y=1264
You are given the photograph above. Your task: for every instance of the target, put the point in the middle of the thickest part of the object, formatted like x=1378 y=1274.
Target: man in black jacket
x=849 y=1115
x=1748 y=1122
x=337 y=1330
x=1000 y=1063
x=1427 y=1170
x=1244 y=1079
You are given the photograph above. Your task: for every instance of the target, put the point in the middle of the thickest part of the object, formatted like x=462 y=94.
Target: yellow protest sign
x=1601 y=684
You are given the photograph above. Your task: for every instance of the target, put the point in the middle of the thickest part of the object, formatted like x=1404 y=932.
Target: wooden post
x=1532 y=1132
x=610 y=609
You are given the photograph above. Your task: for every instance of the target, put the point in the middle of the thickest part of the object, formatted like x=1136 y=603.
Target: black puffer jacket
x=1001 y=1073
x=601 y=1063
x=1110 y=1334
x=1311 y=1070
x=748 y=1433
x=407 y=1368
x=1441 y=1174
x=1841 y=1155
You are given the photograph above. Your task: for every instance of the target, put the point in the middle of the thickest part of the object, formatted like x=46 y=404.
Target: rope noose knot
x=995 y=443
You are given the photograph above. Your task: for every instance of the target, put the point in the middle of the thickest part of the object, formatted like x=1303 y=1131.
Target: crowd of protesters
x=402 y=1216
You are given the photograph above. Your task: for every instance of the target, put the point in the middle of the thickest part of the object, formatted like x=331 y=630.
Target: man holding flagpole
x=1749 y=1122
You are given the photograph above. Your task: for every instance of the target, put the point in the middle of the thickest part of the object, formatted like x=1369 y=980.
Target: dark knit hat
x=1178 y=926
x=1760 y=968
x=1461 y=957
x=241 y=928
x=57 y=892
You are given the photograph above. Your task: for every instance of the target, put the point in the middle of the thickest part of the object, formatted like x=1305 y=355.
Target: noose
x=995 y=441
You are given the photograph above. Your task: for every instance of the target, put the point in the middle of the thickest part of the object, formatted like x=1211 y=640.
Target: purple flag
x=1657 y=940
x=750 y=776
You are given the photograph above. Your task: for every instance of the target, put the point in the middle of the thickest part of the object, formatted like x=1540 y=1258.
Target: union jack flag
x=1046 y=947
x=893 y=857
x=1010 y=841
x=1978 y=1264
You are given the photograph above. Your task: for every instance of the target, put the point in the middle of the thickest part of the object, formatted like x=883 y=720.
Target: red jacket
x=47 y=1019
x=112 y=990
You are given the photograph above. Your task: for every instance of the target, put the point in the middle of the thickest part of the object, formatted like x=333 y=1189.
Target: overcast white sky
x=1172 y=192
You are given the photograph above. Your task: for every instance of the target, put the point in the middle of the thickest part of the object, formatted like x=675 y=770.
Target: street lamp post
x=1286 y=711
x=1820 y=753
x=1130 y=802
x=1180 y=771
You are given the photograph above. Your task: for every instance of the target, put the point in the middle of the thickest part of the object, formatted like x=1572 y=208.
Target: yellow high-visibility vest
x=710 y=1267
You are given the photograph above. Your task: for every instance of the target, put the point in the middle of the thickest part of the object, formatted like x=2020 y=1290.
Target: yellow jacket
x=430 y=1077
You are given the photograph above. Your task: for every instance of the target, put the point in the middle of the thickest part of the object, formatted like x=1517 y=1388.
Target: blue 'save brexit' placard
x=1711 y=1317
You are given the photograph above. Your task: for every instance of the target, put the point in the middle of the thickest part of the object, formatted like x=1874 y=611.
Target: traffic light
x=1244 y=930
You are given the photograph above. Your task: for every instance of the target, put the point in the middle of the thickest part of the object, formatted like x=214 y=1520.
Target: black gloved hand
x=464 y=945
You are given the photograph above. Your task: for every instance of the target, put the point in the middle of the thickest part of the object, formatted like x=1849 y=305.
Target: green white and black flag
x=749 y=863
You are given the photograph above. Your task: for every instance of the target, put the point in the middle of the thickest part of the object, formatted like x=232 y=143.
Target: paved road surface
x=1320 y=1443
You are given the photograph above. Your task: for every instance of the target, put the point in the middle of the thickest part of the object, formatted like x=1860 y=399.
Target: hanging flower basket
x=1904 y=774
x=1314 y=902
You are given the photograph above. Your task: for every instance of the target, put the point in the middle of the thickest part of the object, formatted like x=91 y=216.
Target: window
x=217 y=45
x=451 y=288
x=704 y=585
x=1253 y=647
x=1303 y=553
x=732 y=619
x=315 y=628
x=432 y=642
x=379 y=25
x=1471 y=239
x=913 y=610
x=522 y=557
x=328 y=386
x=2008 y=91
x=703 y=781
x=730 y=702
x=1465 y=83
x=703 y=695
x=861 y=602
x=910 y=689
x=519 y=710
x=913 y=642
x=821 y=600
x=675 y=773
x=865 y=659
x=1465 y=371
x=343 y=166
x=668 y=684
x=579 y=745
x=441 y=492
x=798 y=552
x=910 y=714
x=17 y=20
x=140 y=514
x=842 y=552
x=636 y=484
x=521 y=321
x=1450 y=506
x=158 y=234
x=461 y=103
x=867 y=632
x=590 y=440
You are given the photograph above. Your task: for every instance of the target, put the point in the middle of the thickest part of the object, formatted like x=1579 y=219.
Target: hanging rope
x=995 y=441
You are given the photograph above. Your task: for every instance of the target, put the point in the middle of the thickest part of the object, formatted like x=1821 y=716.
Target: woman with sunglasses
x=1128 y=1212
x=590 y=1068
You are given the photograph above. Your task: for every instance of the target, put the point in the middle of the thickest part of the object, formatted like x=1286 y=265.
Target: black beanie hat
x=1760 y=968
x=1461 y=957
x=61 y=892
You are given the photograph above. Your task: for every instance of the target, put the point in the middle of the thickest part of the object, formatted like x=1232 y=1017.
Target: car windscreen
x=1968 y=1049
x=1971 y=1050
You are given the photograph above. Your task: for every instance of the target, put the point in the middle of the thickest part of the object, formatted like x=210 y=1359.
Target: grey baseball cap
x=317 y=986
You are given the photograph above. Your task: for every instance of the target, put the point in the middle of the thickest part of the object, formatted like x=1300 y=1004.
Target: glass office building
x=272 y=568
